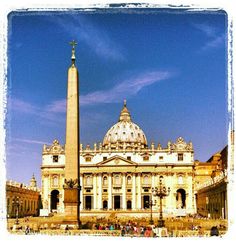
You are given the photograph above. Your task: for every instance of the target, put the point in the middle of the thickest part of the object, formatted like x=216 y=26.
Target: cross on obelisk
x=73 y=44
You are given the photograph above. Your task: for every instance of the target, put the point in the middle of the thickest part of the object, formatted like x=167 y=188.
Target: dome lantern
x=125 y=114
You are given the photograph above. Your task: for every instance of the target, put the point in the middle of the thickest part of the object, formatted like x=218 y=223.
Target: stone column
x=189 y=194
x=49 y=202
x=124 y=192
x=46 y=194
x=153 y=180
x=133 y=191
x=109 y=191
x=94 y=191
x=139 y=200
x=153 y=186
x=99 y=203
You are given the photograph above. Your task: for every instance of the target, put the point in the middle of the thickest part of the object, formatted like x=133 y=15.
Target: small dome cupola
x=33 y=182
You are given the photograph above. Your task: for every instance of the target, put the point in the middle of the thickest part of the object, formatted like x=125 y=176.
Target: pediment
x=116 y=161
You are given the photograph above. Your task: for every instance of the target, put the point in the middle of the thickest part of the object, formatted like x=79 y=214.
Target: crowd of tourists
x=133 y=229
x=124 y=228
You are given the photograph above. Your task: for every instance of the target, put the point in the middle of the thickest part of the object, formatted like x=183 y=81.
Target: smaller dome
x=125 y=132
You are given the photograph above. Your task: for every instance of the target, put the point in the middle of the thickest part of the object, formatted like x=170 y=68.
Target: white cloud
x=54 y=112
x=126 y=88
x=22 y=106
x=96 y=38
x=215 y=37
x=214 y=43
x=210 y=31
x=30 y=141
x=58 y=106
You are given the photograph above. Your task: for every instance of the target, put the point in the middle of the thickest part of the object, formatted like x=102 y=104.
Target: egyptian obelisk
x=71 y=186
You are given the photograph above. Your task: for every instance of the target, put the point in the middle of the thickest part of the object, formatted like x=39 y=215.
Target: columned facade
x=22 y=200
x=119 y=172
x=117 y=183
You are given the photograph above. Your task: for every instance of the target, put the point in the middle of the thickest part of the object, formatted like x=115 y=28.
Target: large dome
x=125 y=133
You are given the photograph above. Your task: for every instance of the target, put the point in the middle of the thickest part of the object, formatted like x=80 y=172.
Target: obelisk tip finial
x=73 y=44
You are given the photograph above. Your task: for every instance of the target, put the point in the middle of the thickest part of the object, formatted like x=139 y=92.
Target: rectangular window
x=88 y=159
x=55 y=158
x=146 y=190
x=161 y=158
x=104 y=190
x=145 y=158
x=104 y=158
x=128 y=190
x=88 y=190
x=180 y=157
x=129 y=158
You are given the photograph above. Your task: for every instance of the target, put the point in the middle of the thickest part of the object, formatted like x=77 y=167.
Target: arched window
x=146 y=180
x=89 y=180
x=105 y=180
x=55 y=181
x=129 y=180
x=180 y=179
x=117 y=180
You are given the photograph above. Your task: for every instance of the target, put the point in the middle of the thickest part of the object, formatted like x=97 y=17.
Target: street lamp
x=151 y=204
x=16 y=203
x=161 y=192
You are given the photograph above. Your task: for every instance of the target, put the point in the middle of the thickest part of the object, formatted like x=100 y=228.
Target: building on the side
x=211 y=194
x=22 y=200
x=120 y=172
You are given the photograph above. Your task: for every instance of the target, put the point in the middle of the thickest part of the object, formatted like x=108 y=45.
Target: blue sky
x=171 y=66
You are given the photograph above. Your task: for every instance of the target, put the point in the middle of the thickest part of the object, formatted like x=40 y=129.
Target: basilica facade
x=122 y=172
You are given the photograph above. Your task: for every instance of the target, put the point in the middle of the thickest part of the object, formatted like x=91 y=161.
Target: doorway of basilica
x=146 y=200
x=104 y=204
x=117 y=202
x=54 y=199
x=88 y=202
x=129 y=204
x=180 y=198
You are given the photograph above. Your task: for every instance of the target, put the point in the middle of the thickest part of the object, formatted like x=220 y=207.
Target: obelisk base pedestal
x=71 y=205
